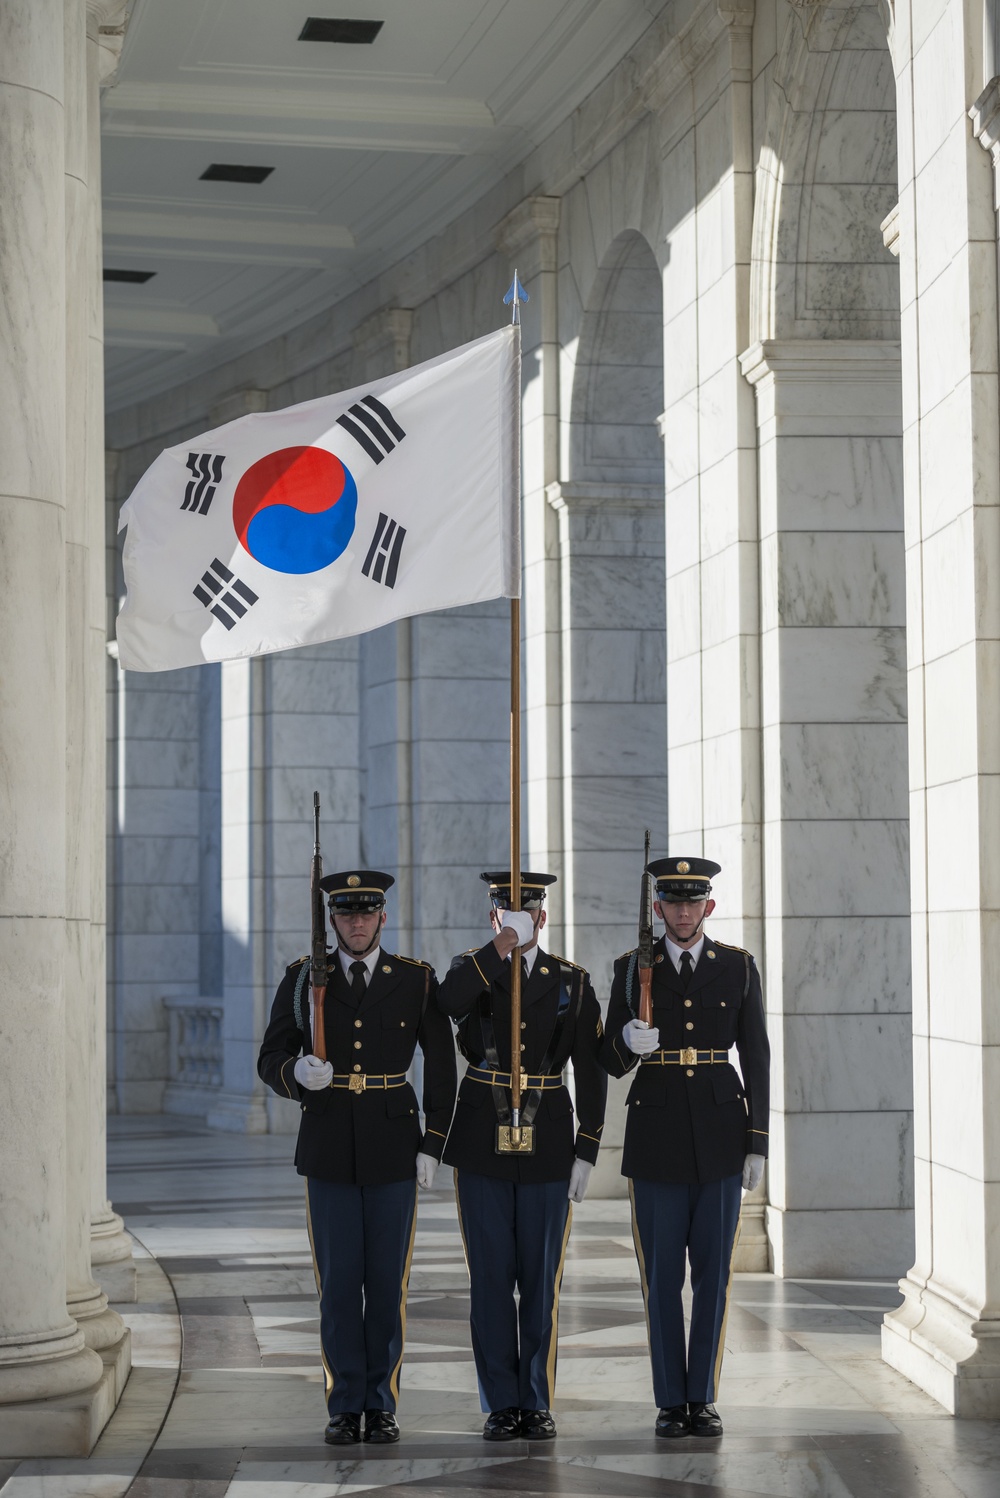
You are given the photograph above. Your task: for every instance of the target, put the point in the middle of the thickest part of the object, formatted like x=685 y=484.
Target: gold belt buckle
x=357 y=1082
x=689 y=1056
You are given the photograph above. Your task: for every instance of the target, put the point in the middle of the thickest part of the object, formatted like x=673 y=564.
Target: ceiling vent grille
x=136 y=277
x=219 y=172
x=325 y=29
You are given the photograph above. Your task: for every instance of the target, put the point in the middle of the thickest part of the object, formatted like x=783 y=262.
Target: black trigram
x=200 y=491
x=383 y=553
x=224 y=605
x=370 y=416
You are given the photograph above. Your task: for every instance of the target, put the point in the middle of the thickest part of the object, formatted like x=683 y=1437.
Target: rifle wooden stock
x=646 y=995
x=318 y=1024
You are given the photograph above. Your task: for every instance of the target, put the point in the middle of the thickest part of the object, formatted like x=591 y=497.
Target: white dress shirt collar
x=674 y=951
x=346 y=959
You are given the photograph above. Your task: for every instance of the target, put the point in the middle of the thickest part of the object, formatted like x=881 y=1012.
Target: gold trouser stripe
x=725 y=1315
x=461 y=1228
x=403 y=1292
x=550 y=1364
x=641 y=1260
x=327 y=1372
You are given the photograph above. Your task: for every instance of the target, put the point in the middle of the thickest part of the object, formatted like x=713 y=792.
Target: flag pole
x=515 y=867
x=516 y=294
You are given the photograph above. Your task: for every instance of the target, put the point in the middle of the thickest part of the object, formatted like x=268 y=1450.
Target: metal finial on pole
x=515 y=294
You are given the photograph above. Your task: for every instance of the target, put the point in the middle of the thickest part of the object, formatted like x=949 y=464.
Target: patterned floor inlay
x=810 y=1410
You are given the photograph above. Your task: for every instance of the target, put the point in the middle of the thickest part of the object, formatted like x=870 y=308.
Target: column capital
x=532 y=225
x=107 y=22
x=826 y=386
x=985 y=117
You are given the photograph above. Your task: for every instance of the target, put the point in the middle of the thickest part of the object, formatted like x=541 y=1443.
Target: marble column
x=42 y=1350
x=946 y=1335
x=836 y=893
x=110 y=1245
x=709 y=443
x=86 y=1302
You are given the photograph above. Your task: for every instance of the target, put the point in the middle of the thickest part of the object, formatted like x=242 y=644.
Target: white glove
x=521 y=922
x=312 y=1073
x=579 y=1180
x=640 y=1039
x=753 y=1169
x=426 y=1166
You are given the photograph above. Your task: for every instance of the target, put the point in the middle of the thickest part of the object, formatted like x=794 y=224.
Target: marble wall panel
x=818 y=1244
x=841 y=675
x=679 y=430
x=683 y=527
x=938 y=73
x=846 y=867
x=826 y=580
x=958 y=1122
x=617 y=739
x=623 y=664
x=607 y=809
x=158 y=908
x=845 y=1063
x=835 y=483
x=847 y=1161
x=727 y=507
x=839 y=967
x=731 y=797
x=837 y=770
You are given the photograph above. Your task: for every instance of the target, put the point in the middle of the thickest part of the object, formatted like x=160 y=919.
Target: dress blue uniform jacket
x=367 y=1138
x=472 y=1141
x=691 y=1124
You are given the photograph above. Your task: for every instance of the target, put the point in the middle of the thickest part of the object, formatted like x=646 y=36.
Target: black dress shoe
x=343 y=1430
x=705 y=1420
x=502 y=1425
x=673 y=1422
x=381 y=1427
x=537 y=1425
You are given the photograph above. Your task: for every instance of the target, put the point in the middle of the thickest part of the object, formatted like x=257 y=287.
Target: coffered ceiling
x=371 y=149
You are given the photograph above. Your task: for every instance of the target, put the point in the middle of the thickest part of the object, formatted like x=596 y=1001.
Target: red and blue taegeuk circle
x=294 y=509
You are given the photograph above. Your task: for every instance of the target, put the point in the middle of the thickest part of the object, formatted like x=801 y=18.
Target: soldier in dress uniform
x=695 y=1133
x=360 y=1146
x=514 y=1208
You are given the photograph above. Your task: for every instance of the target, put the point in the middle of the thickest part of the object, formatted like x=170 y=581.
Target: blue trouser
x=671 y=1223
x=515 y=1238
x=362 y=1242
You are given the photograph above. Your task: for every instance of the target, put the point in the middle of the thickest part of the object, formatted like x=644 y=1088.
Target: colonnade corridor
x=225 y=1395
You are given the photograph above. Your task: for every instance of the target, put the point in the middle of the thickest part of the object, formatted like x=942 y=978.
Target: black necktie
x=687 y=968
x=358 y=985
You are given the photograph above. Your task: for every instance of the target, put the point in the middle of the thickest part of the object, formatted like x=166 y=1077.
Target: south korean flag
x=329 y=518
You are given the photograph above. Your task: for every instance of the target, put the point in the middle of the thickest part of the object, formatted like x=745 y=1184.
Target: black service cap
x=680 y=879
x=356 y=890
x=532 y=889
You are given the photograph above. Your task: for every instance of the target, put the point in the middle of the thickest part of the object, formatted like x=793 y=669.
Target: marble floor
x=225 y=1398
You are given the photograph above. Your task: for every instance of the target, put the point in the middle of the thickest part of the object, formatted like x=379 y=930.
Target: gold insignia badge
x=353 y=881
x=659 y=956
x=683 y=867
x=710 y=956
x=543 y=970
x=386 y=968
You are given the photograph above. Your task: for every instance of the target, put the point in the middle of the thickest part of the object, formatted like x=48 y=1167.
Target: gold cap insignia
x=353 y=881
x=683 y=867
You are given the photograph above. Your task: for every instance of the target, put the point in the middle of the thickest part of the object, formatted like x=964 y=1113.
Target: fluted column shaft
x=42 y=1351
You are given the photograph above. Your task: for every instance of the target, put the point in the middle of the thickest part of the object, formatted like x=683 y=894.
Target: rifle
x=318 y=974
x=646 y=941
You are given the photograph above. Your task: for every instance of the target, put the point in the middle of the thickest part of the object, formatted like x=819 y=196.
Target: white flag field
x=329 y=518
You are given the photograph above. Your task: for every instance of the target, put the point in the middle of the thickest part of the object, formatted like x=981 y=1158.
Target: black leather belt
x=503 y=1079
x=687 y=1057
x=361 y=1081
